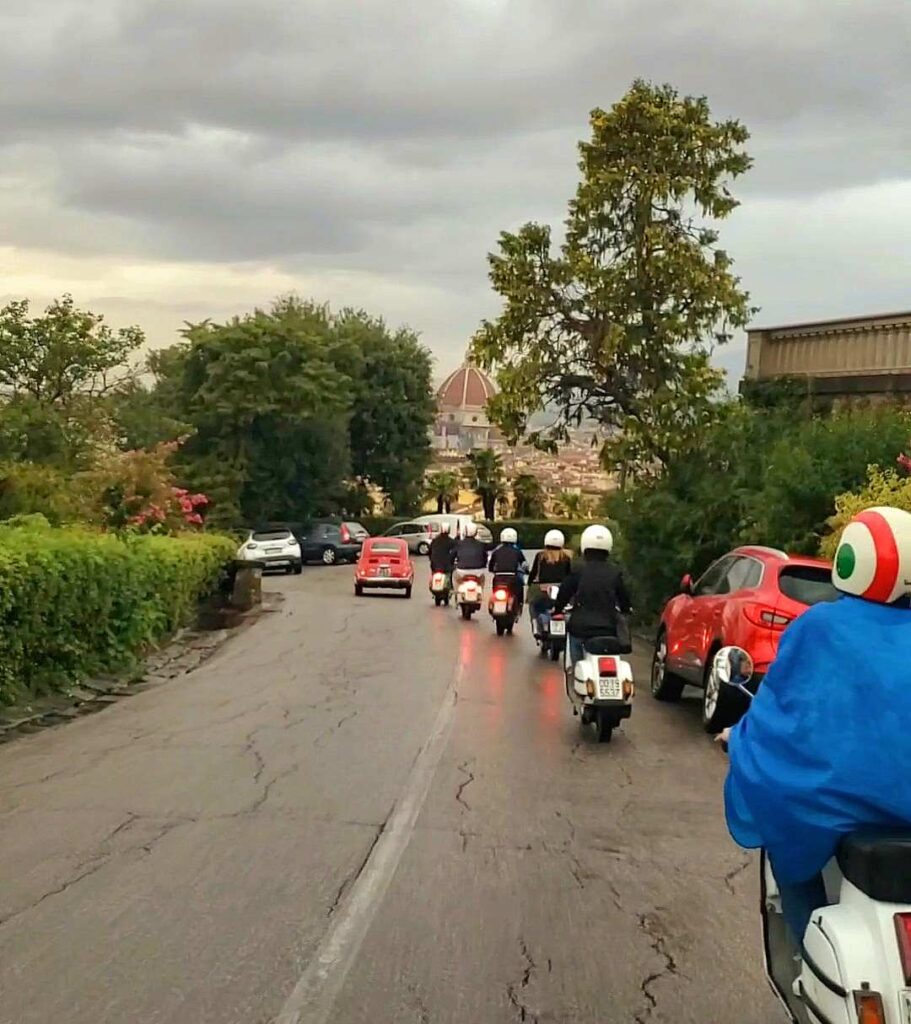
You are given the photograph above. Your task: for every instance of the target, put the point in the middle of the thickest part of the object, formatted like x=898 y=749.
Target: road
x=368 y=811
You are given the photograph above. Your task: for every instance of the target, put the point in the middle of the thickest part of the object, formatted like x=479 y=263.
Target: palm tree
x=528 y=496
x=573 y=506
x=443 y=488
x=484 y=475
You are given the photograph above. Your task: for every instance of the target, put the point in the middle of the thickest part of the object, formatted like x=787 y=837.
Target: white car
x=276 y=549
x=457 y=524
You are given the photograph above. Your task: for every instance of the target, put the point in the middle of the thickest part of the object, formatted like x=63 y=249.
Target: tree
x=619 y=325
x=65 y=353
x=484 y=475
x=443 y=488
x=528 y=496
x=573 y=506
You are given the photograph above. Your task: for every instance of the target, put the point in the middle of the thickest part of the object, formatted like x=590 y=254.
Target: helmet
x=873 y=559
x=554 y=539
x=509 y=536
x=444 y=527
x=471 y=529
x=596 y=538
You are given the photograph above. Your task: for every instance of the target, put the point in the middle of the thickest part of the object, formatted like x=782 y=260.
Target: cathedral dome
x=465 y=388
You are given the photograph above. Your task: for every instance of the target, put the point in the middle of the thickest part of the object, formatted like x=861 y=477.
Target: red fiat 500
x=745 y=599
x=384 y=563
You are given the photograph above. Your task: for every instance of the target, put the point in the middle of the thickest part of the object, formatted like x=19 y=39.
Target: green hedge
x=75 y=603
x=531 y=531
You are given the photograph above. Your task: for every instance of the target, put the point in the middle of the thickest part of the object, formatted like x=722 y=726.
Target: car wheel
x=299 y=568
x=722 y=705
x=330 y=557
x=358 y=590
x=408 y=593
x=423 y=548
x=665 y=685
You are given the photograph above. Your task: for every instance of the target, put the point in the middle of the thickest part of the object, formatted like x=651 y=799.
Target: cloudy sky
x=169 y=161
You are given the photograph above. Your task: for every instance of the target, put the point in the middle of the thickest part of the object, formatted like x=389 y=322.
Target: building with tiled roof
x=462 y=423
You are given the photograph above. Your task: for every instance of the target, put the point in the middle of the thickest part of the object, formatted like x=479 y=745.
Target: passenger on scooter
x=824 y=749
x=508 y=558
x=596 y=590
x=470 y=555
x=442 y=551
x=549 y=568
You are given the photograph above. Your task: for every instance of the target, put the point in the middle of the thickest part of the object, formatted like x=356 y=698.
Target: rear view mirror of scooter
x=734 y=667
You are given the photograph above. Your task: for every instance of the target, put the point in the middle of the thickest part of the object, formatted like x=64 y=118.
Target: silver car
x=416 y=535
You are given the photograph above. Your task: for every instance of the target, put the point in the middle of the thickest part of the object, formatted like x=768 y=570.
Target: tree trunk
x=490 y=507
x=440 y=504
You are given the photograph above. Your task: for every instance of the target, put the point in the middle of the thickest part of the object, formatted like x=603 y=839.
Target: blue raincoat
x=826 y=746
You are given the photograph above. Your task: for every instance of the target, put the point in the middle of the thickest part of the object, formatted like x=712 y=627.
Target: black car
x=330 y=542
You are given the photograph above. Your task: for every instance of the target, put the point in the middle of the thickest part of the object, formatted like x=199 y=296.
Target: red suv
x=745 y=599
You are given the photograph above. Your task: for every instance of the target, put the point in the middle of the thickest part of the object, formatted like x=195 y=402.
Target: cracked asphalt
x=179 y=857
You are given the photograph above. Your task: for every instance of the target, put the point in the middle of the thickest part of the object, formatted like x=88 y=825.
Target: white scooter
x=469 y=591
x=549 y=627
x=855 y=964
x=440 y=588
x=600 y=685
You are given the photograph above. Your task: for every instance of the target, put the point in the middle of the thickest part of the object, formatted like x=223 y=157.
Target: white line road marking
x=314 y=996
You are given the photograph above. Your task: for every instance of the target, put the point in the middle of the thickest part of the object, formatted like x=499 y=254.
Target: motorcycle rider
x=549 y=568
x=508 y=558
x=823 y=750
x=442 y=552
x=470 y=556
x=596 y=589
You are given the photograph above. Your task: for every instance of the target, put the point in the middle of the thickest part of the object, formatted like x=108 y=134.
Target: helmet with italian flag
x=873 y=560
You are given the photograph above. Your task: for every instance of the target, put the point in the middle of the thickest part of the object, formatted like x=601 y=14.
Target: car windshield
x=385 y=549
x=807 y=584
x=272 y=535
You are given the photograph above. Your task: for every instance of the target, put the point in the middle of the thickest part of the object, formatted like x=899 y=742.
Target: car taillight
x=869 y=1006
x=903 y=933
x=500 y=595
x=607 y=666
x=764 y=615
x=346 y=534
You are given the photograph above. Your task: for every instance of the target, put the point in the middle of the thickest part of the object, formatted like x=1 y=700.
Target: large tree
x=618 y=324
x=484 y=475
x=528 y=496
x=443 y=488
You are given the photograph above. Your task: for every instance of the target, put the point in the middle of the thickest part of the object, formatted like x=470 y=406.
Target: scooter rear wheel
x=604 y=727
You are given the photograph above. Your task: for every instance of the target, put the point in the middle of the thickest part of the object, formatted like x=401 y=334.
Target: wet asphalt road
x=265 y=837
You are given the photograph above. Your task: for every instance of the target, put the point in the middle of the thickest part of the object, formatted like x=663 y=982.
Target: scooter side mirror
x=733 y=667
x=686 y=584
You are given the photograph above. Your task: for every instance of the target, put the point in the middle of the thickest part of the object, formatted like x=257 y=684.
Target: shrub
x=883 y=487
x=75 y=603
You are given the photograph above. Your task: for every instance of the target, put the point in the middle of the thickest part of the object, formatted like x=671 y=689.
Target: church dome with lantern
x=462 y=422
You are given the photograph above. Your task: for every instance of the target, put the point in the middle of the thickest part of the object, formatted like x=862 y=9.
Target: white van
x=457 y=524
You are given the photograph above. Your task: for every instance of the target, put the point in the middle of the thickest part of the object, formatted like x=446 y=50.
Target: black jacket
x=596 y=589
x=442 y=553
x=545 y=572
x=471 y=554
x=507 y=558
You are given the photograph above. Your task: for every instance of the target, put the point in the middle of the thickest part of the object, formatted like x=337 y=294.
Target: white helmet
x=554 y=539
x=509 y=536
x=444 y=527
x=873 y=560
x=471 y=529
x=596 y=538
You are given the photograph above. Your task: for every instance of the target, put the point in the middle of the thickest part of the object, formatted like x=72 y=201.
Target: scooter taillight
x=869 y=1006
x=500 y=595
x=903 y=933
x=607 y=666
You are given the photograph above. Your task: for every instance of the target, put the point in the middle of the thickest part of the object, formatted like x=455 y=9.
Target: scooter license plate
x=557 y=628
x=609 y=689
x=499 y=608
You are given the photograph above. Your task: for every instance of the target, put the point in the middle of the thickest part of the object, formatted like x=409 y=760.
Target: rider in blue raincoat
x=825 y=748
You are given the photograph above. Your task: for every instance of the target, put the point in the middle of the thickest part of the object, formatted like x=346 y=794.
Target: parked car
x=385 y=563
x=277 y=549
x=416 y=535
x=457 y=524
x=329 y=542
x=745 y=599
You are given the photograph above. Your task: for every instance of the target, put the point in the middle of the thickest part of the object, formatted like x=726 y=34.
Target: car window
x=394 y=531
x=714 y=580
x=807 y=584
x=272 y=535
x=743 y=574
x=385 y=549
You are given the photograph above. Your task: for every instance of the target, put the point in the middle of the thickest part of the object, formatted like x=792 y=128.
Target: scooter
x=550 y=628
x=503 y=604
x=854 y=966
x=468 y=593
x=441 y=588
x=600 y=685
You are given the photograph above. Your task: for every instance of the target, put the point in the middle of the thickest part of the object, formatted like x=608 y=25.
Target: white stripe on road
x=317 y=989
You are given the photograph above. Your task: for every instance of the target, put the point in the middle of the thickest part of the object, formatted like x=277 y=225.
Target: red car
x=745 y=599
x=384 y=563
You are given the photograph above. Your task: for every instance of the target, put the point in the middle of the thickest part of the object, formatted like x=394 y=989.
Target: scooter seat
x=878 y=862
x=606 y=645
